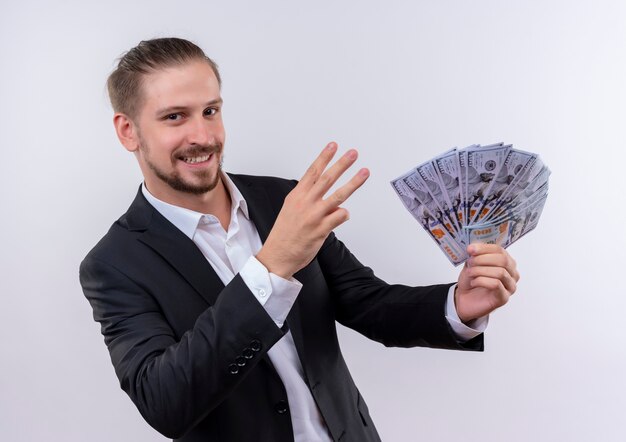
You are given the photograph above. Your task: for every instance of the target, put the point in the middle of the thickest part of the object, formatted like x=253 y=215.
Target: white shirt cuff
x=463 y=332
x=275 y=294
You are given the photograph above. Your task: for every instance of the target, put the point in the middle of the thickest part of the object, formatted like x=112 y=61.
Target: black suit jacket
x=191 y=352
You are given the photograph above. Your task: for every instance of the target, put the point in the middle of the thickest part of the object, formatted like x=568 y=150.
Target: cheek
x=173 y=137
x=166 y=142
x=217 y=129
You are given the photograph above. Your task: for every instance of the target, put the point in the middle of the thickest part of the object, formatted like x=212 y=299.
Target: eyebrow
x=174 y=109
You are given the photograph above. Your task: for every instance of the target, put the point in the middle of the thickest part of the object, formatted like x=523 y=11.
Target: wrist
x=464 y=319
x=275 y=266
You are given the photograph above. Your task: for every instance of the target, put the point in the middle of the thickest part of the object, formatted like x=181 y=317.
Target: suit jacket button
x=281 y=407
x=247 y=353
x=240 y=361
x=255 y=345
x=233 y=369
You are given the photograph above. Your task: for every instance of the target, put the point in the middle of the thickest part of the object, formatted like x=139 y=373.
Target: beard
x=205 y=181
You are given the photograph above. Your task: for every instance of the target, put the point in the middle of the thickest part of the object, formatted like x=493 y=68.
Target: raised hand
x=307 y=218
x=487 y=281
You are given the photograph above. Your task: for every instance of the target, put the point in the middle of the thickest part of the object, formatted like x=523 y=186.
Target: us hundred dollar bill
x=532 y=218
x=418 y=202
x=529 y=190
x=531 y=176
x=483 y=165
x=447 y=169
x=520 y=205
x=462 y=211
x=492 y=233
x=428 y=176
x=463 y=173
x=516 y=222
x=516 y=163
x=490 y=194
x=524 y=221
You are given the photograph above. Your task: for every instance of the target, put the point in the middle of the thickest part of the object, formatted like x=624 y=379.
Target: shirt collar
x=187 y=220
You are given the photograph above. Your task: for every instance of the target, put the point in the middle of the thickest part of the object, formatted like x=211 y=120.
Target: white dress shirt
x=233 y=251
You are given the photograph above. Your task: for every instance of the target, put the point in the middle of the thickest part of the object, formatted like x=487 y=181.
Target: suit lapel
x=175 y=248
x=263 y=210
x=181 y=252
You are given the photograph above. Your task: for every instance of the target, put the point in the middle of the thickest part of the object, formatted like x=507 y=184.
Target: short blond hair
x=124 y=83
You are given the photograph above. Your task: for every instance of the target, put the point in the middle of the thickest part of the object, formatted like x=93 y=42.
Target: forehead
x=186 y=85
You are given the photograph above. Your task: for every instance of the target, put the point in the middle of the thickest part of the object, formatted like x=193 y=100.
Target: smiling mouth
x=198 y=159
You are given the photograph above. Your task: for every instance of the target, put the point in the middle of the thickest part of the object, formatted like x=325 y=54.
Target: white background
x=402 y=82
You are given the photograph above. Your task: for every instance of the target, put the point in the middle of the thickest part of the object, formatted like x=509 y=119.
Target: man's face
x=180 y=131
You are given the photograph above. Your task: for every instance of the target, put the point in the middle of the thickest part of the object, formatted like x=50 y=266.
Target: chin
x=199 y=188
x=193 y=186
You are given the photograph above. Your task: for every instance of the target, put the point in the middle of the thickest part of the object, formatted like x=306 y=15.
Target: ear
x=126 y=132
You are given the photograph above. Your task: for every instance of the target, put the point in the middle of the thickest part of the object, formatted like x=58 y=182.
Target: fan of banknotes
x=490 y=194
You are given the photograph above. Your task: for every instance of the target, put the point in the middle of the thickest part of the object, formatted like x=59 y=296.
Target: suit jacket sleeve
x=175 y=382
x=393 y=314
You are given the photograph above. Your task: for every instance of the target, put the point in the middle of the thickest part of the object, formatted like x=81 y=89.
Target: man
x=218 y=294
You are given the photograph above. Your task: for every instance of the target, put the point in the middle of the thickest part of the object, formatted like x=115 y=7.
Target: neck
x=217 y=202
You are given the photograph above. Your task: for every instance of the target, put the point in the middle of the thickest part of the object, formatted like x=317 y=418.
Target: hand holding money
x=486 y=282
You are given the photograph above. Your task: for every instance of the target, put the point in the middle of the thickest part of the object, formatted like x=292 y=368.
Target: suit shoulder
x=270 y=182
x=121 y=238
x=115 y=243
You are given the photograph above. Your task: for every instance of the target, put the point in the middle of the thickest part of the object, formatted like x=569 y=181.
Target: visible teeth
x=193 y=160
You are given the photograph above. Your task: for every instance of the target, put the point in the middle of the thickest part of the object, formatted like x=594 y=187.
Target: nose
x=200 y=132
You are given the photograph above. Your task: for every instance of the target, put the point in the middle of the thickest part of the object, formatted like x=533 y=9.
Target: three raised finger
x=330 y=176
x=340 y=195
x=316 y=169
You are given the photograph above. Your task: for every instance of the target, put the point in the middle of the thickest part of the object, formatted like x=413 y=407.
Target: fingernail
x=471 y=249
x=351 y=154
x=331 y=146
x=364 y=172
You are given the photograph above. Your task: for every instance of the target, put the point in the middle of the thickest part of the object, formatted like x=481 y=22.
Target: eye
x=209 y=112
x=173 y=117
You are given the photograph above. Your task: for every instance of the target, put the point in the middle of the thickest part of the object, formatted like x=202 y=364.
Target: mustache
x=198 y=151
